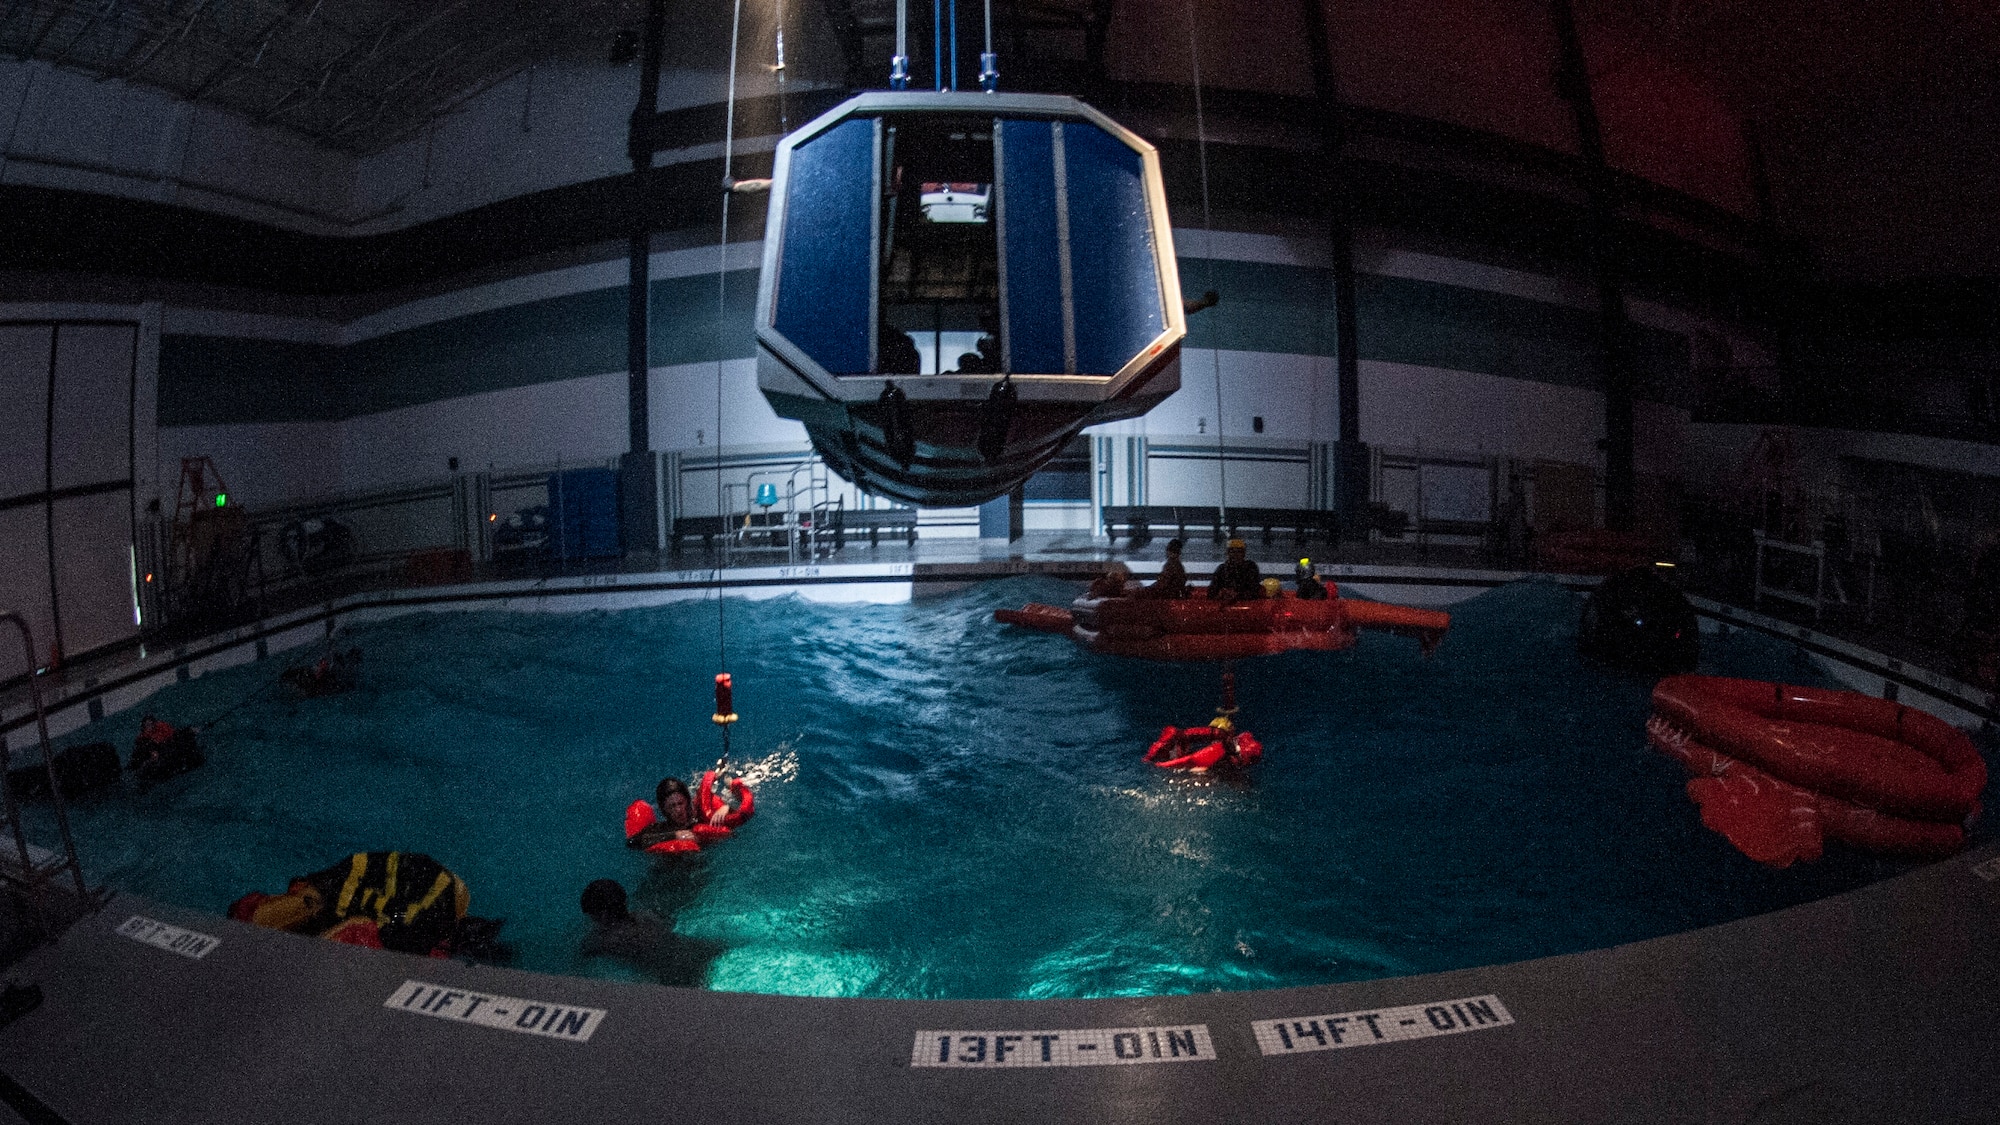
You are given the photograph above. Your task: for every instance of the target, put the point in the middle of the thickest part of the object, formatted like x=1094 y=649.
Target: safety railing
x=32 y=869
x=1809 y=558
x=789 y=507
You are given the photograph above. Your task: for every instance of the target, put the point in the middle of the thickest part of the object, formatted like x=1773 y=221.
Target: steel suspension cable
x=1208 y=263
x=722 y=318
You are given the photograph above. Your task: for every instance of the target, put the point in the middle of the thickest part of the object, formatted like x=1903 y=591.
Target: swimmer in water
x=676 y=820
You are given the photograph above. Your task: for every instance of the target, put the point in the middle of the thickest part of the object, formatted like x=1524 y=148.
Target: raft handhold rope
x=997 y=418
x=899 y=437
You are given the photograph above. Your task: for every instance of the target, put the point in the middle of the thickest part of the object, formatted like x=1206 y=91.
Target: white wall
x=1717 y=453
x=1402 y=406
x=69 y=130
x=1409 y=407
x=1294 y=394
x=266 y=464
x=555 y=125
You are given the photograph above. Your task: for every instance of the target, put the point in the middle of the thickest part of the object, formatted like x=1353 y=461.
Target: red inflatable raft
x=1777 y=769
x=1199 y=629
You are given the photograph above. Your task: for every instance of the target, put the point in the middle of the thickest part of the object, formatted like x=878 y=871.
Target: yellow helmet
x=1221 y=722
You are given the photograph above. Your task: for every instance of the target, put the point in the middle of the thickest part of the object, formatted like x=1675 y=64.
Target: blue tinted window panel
x=1113 y=273
x=1057 y=485
x=823 y=273
x=1033 y=262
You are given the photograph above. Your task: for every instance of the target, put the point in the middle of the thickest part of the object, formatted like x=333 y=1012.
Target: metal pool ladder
x=31 y=870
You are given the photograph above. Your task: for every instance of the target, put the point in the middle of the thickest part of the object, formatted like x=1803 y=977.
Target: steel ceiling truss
x=354 y=75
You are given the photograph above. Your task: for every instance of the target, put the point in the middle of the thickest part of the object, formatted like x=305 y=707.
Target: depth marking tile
x=504 y=1013
x=1368 y=1027
x=173 y=939
x=1075 y=1046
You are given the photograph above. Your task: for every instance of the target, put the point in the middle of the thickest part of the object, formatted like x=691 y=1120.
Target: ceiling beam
x=128 y=68
x=236 y=60
x=35 y=44
x=98 y=11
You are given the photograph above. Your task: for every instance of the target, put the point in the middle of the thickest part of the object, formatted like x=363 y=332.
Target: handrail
x=48 y=762
x=1761 y=589
x=818 y=498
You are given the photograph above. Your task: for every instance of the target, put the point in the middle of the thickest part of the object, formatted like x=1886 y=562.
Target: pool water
x=950 y=808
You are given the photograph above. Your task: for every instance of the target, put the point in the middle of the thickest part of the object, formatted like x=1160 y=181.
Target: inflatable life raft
x=1199 y=629
x=1778 y=769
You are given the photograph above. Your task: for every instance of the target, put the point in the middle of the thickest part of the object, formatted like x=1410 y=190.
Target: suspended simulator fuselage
x=955 y=284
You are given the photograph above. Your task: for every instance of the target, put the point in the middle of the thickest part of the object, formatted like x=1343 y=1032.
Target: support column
x=638 y=494
x=1350 y=479
x=1614 y=328
x=1781 y=266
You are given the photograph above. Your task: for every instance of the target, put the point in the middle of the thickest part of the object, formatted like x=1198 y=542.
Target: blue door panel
x=1113 y=275
x=1033 y=264
x=823 y=271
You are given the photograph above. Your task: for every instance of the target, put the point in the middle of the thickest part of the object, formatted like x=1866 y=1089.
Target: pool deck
x=1878 y=1005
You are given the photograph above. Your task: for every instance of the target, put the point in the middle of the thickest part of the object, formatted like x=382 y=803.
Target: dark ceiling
x=354 y=75
x=1880 y=120
x=358 y=74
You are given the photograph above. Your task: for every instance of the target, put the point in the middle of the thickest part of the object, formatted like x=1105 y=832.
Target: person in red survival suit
x=684 y=820
x=162 y=751
x=1200 y=749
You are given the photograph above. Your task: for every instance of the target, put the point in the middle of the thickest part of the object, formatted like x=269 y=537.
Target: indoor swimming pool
x=948 y=808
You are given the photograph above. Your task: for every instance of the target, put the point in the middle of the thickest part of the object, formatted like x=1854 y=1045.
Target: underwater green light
x=220 y=499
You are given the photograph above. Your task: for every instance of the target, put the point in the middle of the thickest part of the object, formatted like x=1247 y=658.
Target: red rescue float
x=1779 y=768
x=707 y=827
x=1198 y=749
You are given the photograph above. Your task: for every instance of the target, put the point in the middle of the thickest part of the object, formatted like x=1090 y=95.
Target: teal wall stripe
x=1289 y=309
x=209 y=380
x=1265 y=308
x=214 y=379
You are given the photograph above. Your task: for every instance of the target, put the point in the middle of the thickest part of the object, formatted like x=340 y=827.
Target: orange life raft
x=1199 y=629
x=1777 y=768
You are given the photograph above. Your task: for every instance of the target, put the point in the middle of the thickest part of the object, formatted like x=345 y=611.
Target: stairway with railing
x=790 y=508
x=32 y=871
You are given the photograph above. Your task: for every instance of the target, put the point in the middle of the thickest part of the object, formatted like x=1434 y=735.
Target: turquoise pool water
x=950 y=808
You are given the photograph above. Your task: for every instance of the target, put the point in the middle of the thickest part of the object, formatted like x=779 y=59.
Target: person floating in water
x=162 y=751
x=1111 y=584
x=640 y=939
x=685 y=819
x=615 y=930
x=1219 y=744
x=1237 y=577
x=327 y=676
x=1200 y=749
x=1172 y=582
x=404 y=901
